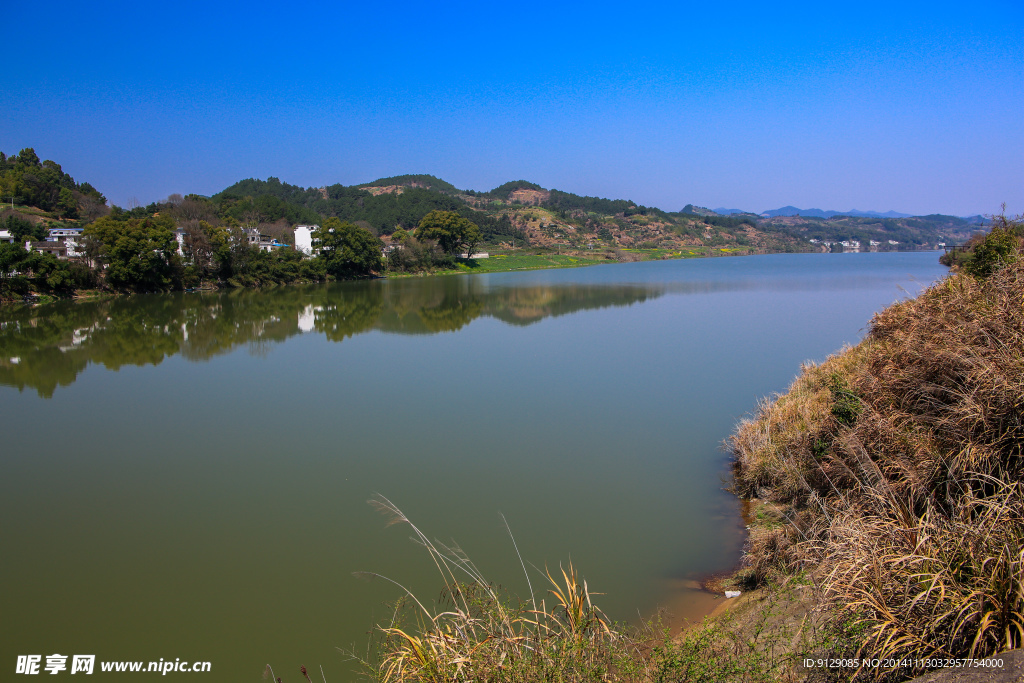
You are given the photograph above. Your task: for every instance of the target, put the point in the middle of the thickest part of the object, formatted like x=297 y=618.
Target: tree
x=472 y=239
x=51 y=274
x=452 y=231
x=67 y=203
x=44 y=271
x=195 y=208
x=139 y=253
x=1000 y=247
x=237 y=253
x=347 y=250
x=11 y=257
x=91 y=207
x=200 y=244
x=90 y=191
x=21 y=229
x=413 y=255
x=28 y=157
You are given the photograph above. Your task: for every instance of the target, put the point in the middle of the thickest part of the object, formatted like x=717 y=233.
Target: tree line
x=186 y=246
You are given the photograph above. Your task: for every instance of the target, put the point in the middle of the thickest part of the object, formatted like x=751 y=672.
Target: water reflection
x=47 y=347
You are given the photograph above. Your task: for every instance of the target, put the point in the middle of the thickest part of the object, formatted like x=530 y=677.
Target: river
x=187 y=475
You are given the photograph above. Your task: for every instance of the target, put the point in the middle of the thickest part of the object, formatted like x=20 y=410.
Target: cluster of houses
x=852 y=245
x=252 y=235
x=65 y=243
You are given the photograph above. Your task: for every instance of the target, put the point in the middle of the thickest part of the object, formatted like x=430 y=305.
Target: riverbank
x=888 y=519
x=501 y=261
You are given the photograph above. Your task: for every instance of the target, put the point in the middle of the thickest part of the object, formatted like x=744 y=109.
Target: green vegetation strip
x=523 y=261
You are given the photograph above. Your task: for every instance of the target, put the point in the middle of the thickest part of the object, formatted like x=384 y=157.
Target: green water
x=187 y=475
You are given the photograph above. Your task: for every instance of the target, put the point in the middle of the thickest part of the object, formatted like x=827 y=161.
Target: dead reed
x=483 y=634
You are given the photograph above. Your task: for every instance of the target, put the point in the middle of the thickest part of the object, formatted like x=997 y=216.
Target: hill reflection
x=48 y=346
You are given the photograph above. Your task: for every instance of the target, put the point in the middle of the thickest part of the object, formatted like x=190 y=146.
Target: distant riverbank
x=497 y=261
x=537 y=259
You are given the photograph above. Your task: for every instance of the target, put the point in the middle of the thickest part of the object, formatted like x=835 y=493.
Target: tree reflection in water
x=46 y=347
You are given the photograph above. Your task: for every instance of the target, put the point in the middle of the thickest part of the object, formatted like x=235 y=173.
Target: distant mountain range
x=818 y=213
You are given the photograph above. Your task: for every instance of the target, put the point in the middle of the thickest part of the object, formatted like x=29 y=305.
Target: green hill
x=428 y=182
x=28 y=183
x=519 y=211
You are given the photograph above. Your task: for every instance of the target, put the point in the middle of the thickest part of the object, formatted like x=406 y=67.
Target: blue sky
x=917 y=108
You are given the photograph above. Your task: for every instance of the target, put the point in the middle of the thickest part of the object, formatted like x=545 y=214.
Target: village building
x=58 y=249
x=261 y=241
x=304 y=238
x=61 y=242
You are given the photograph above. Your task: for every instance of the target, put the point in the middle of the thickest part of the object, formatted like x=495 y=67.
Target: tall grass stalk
x=482 y=634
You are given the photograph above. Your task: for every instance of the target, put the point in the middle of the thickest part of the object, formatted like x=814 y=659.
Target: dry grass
x=478 y=633
x=898 y=466
x=481 y=634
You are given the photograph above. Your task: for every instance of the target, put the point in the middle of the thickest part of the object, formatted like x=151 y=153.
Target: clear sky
x=915 y=107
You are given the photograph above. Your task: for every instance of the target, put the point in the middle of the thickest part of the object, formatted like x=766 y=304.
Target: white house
x=304 y=238
x=64 y=233
x=58 y=249
x=261 y=241
x=70 y=237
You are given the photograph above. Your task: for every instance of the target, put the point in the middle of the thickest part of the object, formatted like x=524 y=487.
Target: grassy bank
x=528 y=259
x=892 y=476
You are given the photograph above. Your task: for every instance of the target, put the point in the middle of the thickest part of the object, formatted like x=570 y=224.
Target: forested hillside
x=518 y=212
x=524 y=211
x=383 y=206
